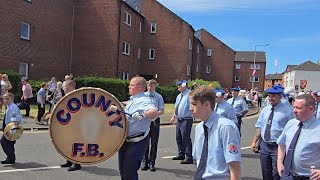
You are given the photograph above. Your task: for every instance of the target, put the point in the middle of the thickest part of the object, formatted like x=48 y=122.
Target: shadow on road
x=250 y=178
x=251 y=156
x=179 y=172
x=27 y=165
x=100 y=171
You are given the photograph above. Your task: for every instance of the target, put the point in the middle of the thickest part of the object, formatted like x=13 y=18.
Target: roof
x=273 y=77
x=248 y=56
x=306 y=66
x=198 y=34
x=135 y=5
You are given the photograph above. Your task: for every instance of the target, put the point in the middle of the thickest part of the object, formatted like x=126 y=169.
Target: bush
x=169 y=94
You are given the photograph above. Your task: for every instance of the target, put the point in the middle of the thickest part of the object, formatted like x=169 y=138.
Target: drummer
x=12 y=115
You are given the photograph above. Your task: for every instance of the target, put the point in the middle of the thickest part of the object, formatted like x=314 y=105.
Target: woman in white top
x=5 y=86
x=58 y=94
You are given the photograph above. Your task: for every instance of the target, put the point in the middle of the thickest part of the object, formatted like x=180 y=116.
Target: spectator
x=52 y=85
x=58 y=94
x=66 y=78
x=5 y=83
x=1 y=93
x=259 y=99
x=26 y=95
x=41 y=100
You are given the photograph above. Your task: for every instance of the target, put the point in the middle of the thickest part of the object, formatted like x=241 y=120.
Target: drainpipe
x=118 y=46
x=71 y=44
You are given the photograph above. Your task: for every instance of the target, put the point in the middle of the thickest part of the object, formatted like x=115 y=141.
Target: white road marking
x=248 y=147
x=29 y=169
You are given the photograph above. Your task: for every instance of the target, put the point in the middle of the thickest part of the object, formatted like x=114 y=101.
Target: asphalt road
x=38 y=160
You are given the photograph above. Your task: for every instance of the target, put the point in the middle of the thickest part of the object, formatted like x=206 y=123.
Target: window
x=198 y=49
x=153 y=27
x=197 y=68
x=25 y=31
x=188 y=70
x=238 y=66
x=236 y=78
x=128 y=19
x=23 y=69
x=190 y=44
x=257 y=66
x=29 y=1
x=209 y=52
x=125 y=76
x=140 y=27
x=254 y=78
x=126 y=48
x=152 y=53
x=139 y=51
x=208 y=69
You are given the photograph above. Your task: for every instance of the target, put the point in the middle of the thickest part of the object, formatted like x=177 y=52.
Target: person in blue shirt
x=41 y=100
x=305 y=148
x=143 y=112
x=217 y=146
x=157 y=100
x=223 y=108
x=270 y=124
x=239 y=105
x=316 y=96
x=184 y=123
x=12 y=114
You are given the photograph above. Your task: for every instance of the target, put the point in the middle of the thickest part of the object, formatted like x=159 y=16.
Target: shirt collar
x=307 y=123
x=151 y=94
x=137 y=96
x=212 y=118
x=185 y=92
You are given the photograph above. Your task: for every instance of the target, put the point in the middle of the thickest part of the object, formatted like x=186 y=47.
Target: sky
x=291 y=27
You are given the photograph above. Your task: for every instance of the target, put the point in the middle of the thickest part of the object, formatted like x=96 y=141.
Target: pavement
x=30 y=123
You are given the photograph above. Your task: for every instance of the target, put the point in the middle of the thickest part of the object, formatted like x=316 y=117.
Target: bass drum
x=83 y=129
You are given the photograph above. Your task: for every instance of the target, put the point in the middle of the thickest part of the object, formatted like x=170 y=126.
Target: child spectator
x=41 y=100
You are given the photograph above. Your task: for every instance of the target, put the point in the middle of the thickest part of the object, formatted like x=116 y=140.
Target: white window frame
x=188 y=70
x=257 y=66
x=237 y=78
x=238 y=65
x=198 y=49
x=126 y=48
x=256 y=79
x=125 y=76
x=140 y=27
x=139 y=53
x=153 y=30
x=190 y=44
x=29 y=0
x=26 y=70
x=209 y=52
x=197 y=68
x=154 y=53
x=128 y=19
x=208 y=69
x=28 y=28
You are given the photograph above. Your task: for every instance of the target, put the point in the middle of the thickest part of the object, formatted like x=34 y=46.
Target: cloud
x=311 y=39
x=240 y=5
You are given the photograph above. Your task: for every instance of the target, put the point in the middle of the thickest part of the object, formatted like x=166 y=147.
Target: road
x=38 y=160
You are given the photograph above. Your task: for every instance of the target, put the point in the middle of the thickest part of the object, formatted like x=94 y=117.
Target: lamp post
x=254 y=61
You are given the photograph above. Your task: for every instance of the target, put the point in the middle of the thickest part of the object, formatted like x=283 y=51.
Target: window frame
x=26 y=69
x=126 y=45
x=188 y=70
x=139 y=53
x=251 y=78
x=190 y=44
x=125 y=76
x=208 y=69
x=238 y=64
x=28 y=28
x=155 y=27
x=154 y=53
x=237 y=78
x=257 y=66
x=209 y=52
x=128 y=18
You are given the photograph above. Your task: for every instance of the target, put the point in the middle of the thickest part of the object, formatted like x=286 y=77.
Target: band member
x=12 y=114
x=217 y=139
x=316 y=96
x=270 y=124
x=223 y=108
x=69 y=86
x=157 y=100
x=239 y=105
x=134 y=148
x=184 y=123
x=299 y=142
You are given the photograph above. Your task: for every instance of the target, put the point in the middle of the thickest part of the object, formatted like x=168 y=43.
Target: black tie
x=315 y=113
x=204 y=156
x=289 y=155
x=216 y=107
x=233 y=102
x=176 y=111
x=268 y=128
x=4 y=122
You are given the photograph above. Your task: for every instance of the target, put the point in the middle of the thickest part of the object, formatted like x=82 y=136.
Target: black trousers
x=8 y=146
x=153 y=137
x=41 y=111
x=27 y=103
x=239 y=123
x=183 y=139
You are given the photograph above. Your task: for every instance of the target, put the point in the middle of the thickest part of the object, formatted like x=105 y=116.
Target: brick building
x=271 y=79
x=244 y=67
x=112 y=38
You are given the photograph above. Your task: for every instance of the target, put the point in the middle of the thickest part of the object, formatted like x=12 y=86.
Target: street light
x=254 y=60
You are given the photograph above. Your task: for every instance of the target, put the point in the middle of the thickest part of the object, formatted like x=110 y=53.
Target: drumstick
x=114 y=108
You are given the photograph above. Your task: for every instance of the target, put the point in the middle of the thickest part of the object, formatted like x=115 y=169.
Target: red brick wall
x=170 y=42
x=48 y=51
x=245 y=72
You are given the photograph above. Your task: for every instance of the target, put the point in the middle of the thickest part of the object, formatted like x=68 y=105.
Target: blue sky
x=291 y=27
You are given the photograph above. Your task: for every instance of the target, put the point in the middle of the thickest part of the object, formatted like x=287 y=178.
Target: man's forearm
x=257 y=136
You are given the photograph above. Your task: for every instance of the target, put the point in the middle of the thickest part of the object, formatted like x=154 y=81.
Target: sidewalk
x=30 y=123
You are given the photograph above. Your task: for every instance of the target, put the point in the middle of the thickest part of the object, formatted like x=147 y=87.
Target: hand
x=138 y=116
x=253 y=147
x=42 y=106
x=315 y=174
x=13 y=130
x=22 y=98
x=280 y=168
x=172 y=120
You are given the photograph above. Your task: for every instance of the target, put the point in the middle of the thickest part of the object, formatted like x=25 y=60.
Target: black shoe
x=178 y=158
x=26 y=115
x=6 y=161
x=144 y=167
x=68 y=164
x=74 y=167
x=187 y=161
x=152 y=168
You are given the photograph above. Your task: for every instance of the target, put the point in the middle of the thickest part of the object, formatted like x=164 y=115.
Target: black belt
x=271 y=143
x=137 y=135
x=187 y=118
x=298 y=177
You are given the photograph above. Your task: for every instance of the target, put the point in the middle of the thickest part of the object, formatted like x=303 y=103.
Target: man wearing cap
x=283 y=98
x=270 y=124
x=184 y=123
x=239 y=105
x=316 y=96
x=223 y=108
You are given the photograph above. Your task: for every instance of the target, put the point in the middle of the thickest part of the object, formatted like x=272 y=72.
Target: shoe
x=187 y=161
x=144 y=167
x=68 y=164
x=74 y=167
x=40 y=123
x=6 y=161
x=152 y=168
x=26 y=115
x=178 y=158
